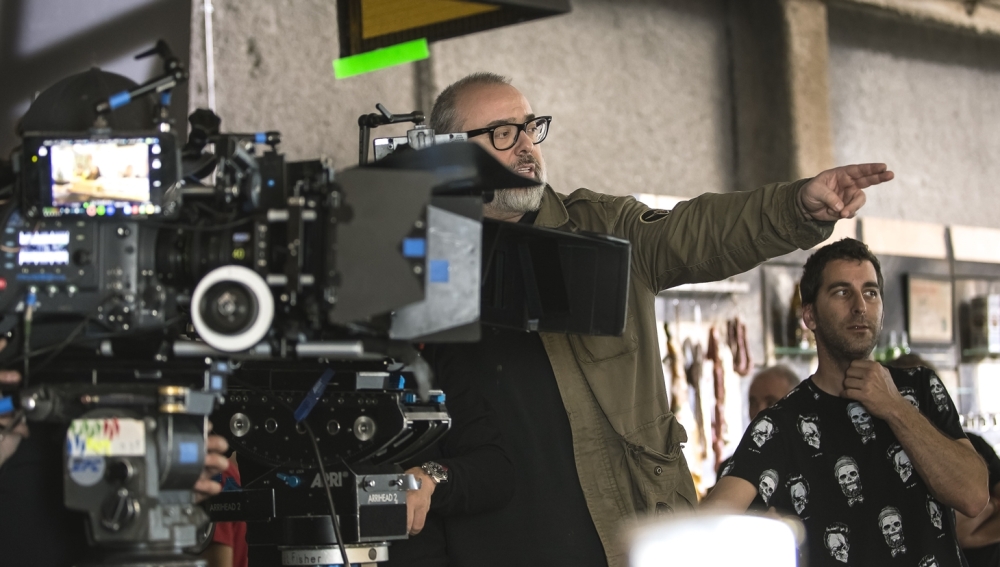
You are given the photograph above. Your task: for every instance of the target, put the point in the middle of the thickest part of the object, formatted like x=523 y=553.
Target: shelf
x=710 y=287
x=978 y=353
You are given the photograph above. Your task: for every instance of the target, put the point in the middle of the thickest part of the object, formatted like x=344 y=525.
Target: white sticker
x=86 y=471
x=110 y=437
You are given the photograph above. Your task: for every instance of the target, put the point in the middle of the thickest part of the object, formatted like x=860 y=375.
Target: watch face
x=437 y=472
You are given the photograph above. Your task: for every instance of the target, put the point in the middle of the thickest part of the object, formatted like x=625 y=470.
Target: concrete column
x=780 y=89
x=808 y=79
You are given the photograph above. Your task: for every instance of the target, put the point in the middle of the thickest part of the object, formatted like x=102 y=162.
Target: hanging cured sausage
x=719 y=386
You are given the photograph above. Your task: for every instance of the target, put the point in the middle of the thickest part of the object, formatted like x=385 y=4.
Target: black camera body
x=73 y=240
x=140 y=300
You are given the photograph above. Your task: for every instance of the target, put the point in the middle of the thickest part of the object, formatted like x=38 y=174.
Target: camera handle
x=368 y=121
x=174 y=74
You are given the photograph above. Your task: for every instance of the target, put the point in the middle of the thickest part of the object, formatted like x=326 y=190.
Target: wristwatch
x=438 y=472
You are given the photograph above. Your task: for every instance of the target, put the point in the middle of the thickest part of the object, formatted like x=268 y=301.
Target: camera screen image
x=91 y=173
x=48 y=248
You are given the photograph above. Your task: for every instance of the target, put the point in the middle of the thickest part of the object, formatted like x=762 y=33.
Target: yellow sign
x=382 y=17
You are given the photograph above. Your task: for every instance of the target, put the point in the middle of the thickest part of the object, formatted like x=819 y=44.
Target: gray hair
x=781 y=371
x=444 y=116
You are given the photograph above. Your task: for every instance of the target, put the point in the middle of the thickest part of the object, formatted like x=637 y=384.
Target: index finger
x=864 y=175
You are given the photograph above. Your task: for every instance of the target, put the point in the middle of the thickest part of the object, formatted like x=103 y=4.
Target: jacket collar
x=552 y=213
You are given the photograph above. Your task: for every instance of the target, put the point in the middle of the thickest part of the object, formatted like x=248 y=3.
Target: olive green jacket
x=625 y=439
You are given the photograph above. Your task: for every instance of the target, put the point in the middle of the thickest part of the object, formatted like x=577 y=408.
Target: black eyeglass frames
x=504 y=136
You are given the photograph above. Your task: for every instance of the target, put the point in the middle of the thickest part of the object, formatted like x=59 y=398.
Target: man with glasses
x=584 y=420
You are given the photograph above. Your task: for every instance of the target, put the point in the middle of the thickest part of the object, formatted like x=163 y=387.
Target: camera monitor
x=124 y=175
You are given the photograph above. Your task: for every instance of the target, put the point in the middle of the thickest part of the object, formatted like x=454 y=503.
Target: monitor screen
x=98 y=177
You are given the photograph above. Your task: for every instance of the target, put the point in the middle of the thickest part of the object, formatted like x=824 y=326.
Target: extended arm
x=716 y=235
x=953 y=471
x=981 y=530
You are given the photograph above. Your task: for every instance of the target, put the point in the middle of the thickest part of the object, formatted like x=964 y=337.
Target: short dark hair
x=846 y=249
x=444 y=115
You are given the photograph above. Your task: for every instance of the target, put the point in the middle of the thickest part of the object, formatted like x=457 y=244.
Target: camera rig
x=281 y=299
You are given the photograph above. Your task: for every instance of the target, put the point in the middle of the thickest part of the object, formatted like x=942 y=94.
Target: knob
x=119 y=510
x=290 y=479
x=119 y=471
x=364 y=428
x=120 y=315
x=81 y=257
x=153 y=295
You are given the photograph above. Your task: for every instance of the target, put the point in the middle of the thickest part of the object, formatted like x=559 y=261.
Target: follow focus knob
x=119 y=510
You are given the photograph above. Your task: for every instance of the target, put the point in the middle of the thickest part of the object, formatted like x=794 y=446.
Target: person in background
x=769 y=386
x=979 y=536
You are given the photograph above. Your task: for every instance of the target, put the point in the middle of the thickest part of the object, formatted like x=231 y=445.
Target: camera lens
x=232 y=308
x=228 y=308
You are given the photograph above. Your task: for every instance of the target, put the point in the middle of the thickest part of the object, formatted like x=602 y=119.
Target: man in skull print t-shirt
x=871 y=459
x=848 y=478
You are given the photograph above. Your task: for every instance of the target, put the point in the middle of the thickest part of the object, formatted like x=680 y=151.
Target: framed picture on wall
x=929 y=314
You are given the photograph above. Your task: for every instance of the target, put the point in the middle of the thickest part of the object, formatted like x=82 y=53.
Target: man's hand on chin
x=870 y=384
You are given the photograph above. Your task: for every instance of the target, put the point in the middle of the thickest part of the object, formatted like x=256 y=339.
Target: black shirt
x=988 y=555
x=547 y=521
x=511 y=452
x=843 y=472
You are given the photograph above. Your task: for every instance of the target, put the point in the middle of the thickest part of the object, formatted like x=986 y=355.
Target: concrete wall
x=924 y=100
x=273 y=71
x=44 y=41
x=639 y=89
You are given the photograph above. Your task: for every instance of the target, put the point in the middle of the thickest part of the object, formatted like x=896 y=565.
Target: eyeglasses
x=504 y=136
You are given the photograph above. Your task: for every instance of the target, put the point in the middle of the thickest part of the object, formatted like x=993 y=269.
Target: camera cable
x=335 y=519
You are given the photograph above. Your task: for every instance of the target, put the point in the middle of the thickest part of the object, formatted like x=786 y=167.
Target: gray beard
x=520 y=200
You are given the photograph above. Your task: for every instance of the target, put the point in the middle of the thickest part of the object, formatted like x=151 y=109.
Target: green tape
x=381 y=58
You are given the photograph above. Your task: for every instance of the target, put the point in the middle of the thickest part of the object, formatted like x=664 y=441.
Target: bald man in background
x=768 y=386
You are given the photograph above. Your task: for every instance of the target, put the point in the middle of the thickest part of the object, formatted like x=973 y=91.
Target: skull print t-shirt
x=843 y=472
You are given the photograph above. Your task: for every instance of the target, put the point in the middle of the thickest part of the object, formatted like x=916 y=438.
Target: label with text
x=106 y=437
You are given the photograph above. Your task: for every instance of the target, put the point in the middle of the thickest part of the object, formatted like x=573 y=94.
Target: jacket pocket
x=661 y=481
x=591 y=348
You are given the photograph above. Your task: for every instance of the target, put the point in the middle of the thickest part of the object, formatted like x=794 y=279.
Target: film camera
x=281 y=298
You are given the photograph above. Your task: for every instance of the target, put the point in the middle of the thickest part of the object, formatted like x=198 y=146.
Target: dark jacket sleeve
x=473 y=450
